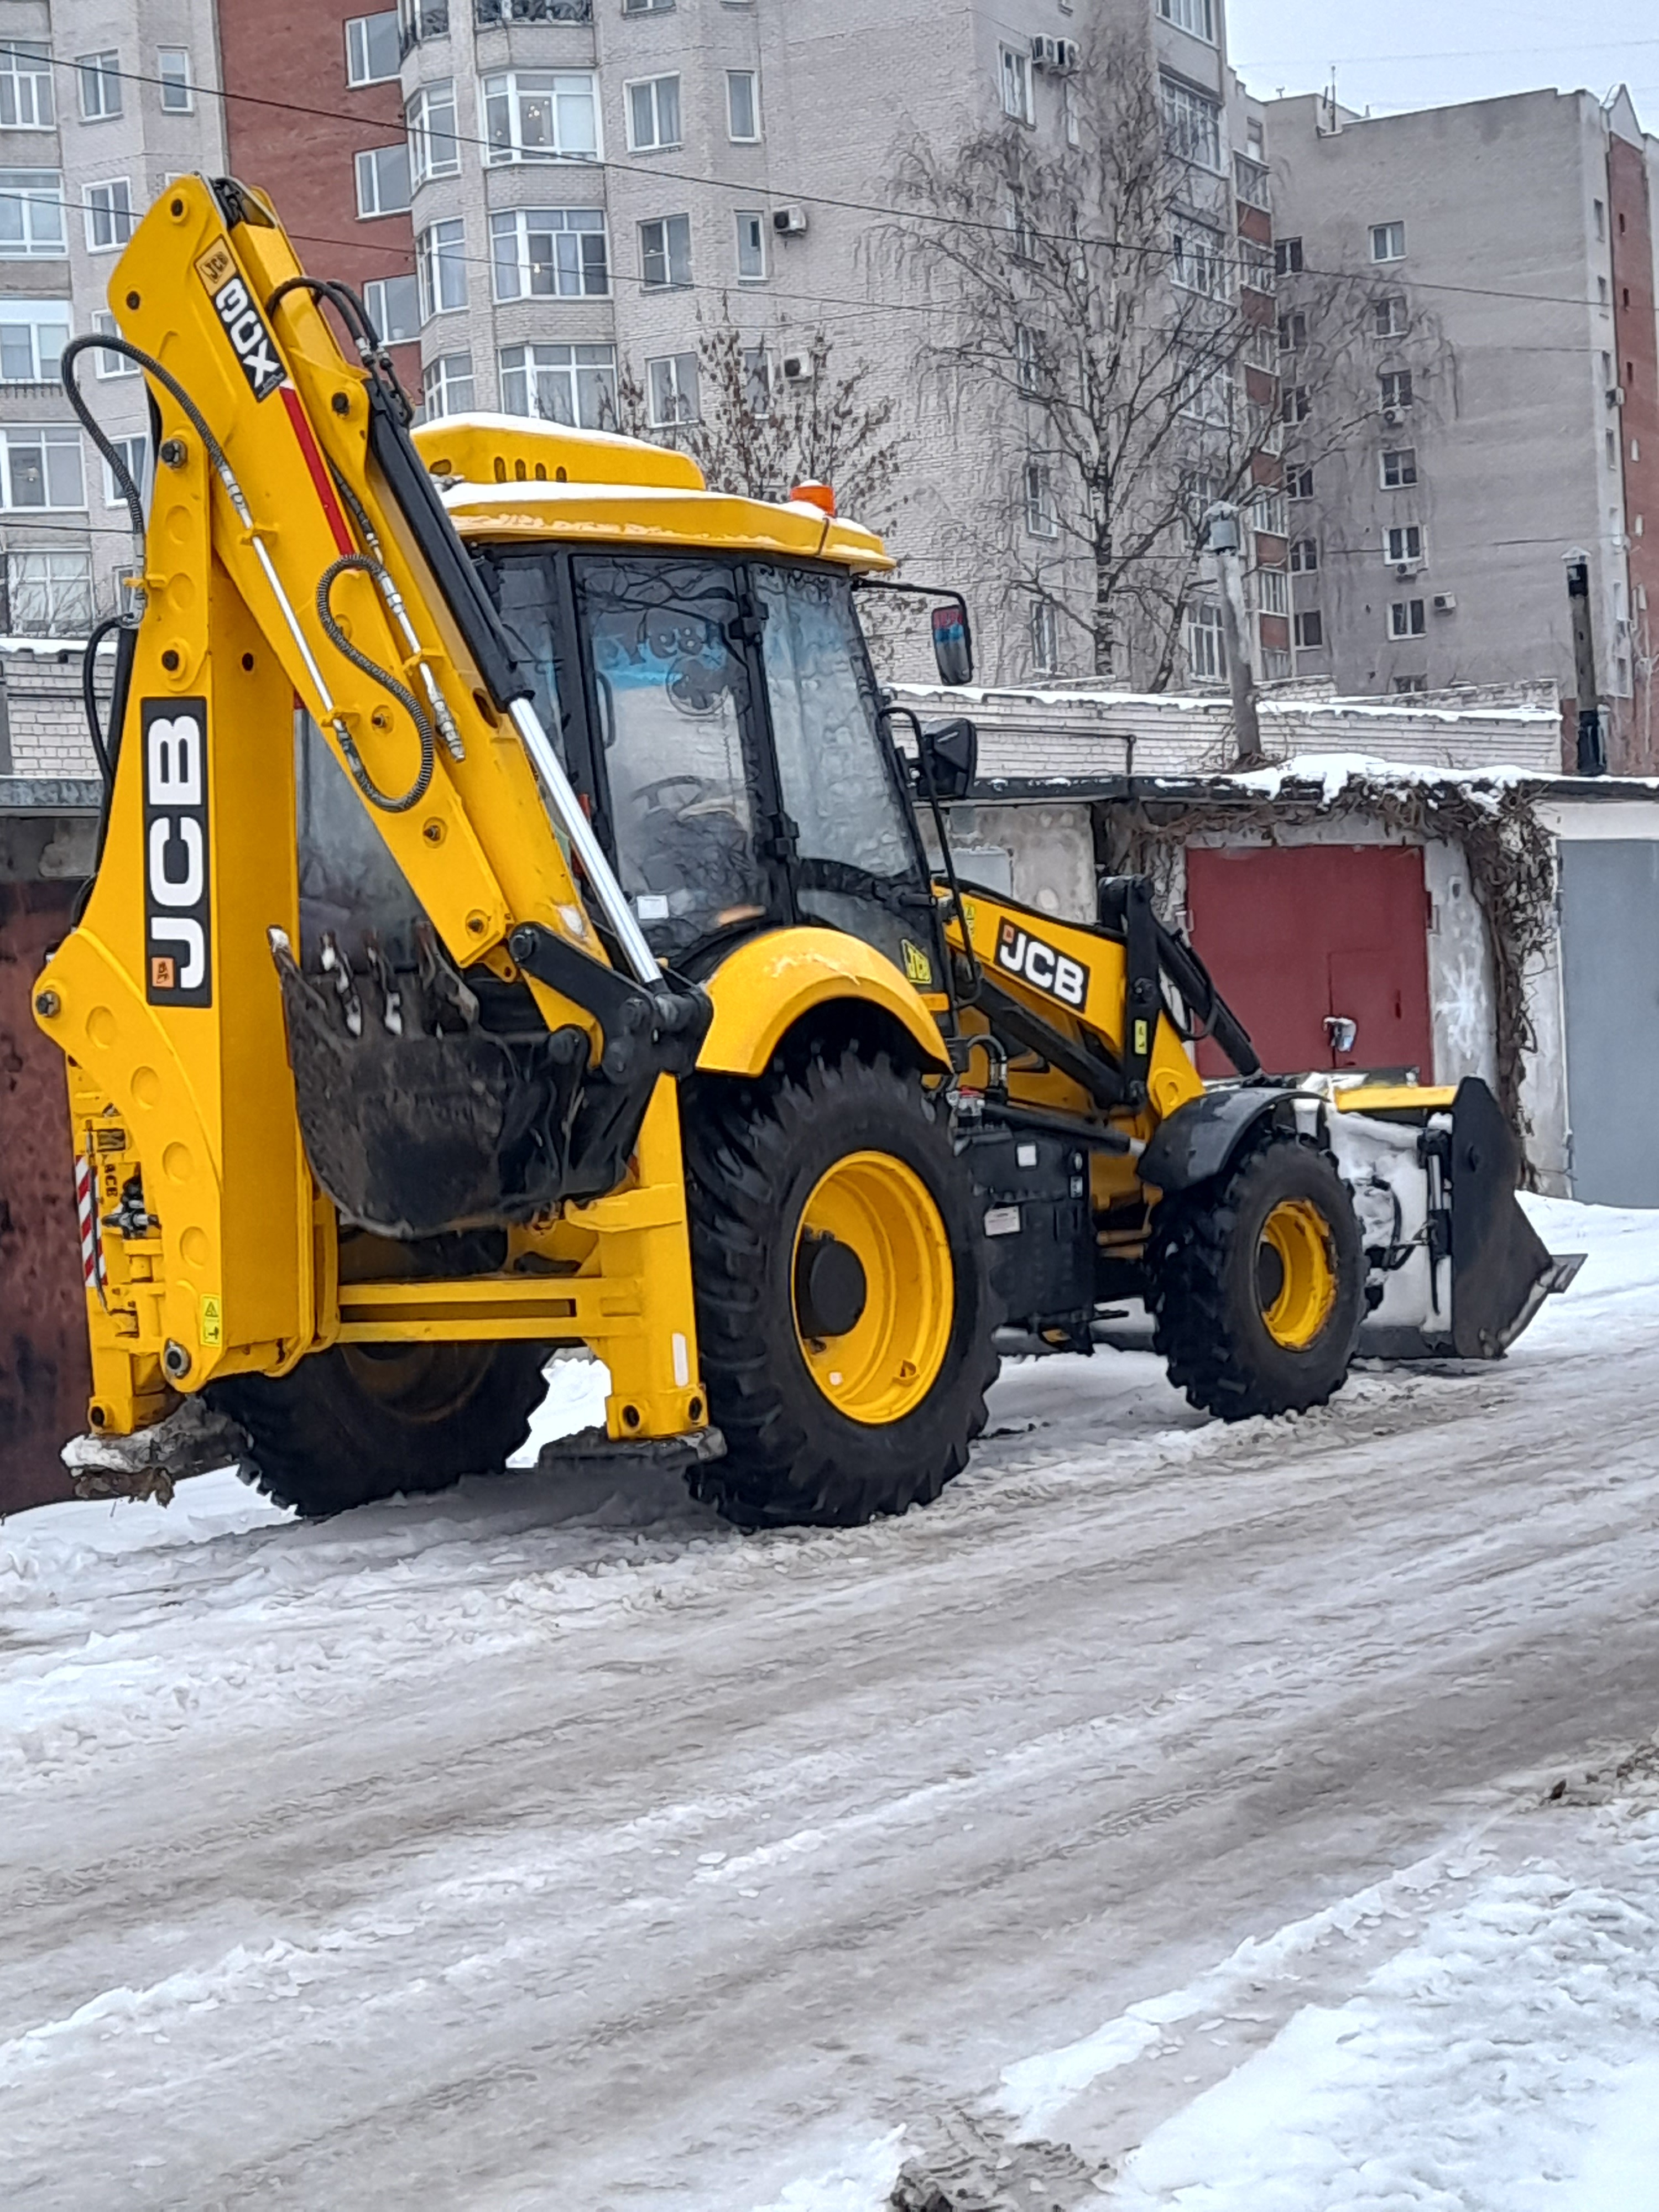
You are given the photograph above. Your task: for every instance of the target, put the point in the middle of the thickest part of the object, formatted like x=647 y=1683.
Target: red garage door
x=1294 y=934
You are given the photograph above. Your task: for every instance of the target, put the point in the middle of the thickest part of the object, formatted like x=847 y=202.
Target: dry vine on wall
x=1509 y=854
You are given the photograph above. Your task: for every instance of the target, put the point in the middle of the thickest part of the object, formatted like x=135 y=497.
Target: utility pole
x=1224 y=538
x=1592 y=739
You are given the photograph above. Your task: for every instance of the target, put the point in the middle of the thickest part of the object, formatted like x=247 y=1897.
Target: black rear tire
x=364 y=1422
x=1207 y=1294
x=755 y=1153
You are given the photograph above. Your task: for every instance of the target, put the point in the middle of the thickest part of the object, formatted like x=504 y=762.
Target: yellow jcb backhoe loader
x=512 y=929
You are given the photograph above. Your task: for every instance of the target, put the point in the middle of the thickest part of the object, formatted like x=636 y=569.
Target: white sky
x=1428 y=53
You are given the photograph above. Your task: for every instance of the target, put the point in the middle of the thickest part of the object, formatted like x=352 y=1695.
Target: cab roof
x=503 y=477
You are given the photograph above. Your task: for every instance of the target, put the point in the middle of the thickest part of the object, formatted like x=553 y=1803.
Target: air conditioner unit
x=1067 y=57
x=1045 y=50
x=1391 y=415
x=789 y=221
x=1616 y=396
x=798 y=368
x=1445 y=603
x=1403 y=569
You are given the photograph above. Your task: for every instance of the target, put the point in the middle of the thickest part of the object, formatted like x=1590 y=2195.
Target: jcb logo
x=244 y=325
x=177 y=909
x=1041 y=965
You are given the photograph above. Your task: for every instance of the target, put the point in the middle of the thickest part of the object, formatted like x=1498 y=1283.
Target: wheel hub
x=1296 y=1282
x=831 y=1290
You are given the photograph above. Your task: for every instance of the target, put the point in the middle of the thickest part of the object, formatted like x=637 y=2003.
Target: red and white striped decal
x=86 y=1206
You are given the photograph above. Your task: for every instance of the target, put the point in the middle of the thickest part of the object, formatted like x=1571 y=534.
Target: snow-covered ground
x=1227 y=1820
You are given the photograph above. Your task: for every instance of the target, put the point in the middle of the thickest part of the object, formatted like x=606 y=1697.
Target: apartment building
x=100 y=102
x=1485 y=399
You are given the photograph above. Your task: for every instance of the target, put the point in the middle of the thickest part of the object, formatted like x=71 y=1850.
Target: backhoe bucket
x=1501 y=1270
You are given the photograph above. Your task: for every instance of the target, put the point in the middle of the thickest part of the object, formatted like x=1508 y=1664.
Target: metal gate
x=1610 y=981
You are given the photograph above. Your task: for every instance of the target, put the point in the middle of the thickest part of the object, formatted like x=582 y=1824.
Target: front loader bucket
x=1501 y=1272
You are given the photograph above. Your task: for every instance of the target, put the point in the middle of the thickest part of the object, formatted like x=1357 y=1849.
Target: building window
x=1388 y=317
x=654 y=114
x=1399 y=467
x=1292 y=332
x=49 y=594
x=1015 y=72
x=751 y=245
x=135 y=451
x=1021 y=230
x=541 y=115
x=371 y=48
x=26 y=100
x=1395 y=385
x=433 y=142
x=109 y=215
x=549 y=253
x=1612 y=449
x=1252 y=182
x=1601 y=219
x=394 y=308
x=756 y=379
x=1206 y=389
x=1268 y=513
x=671 y=386
x=665 y=255
x=1403 y=543
x=446 y=387
x=1409 y=683
x=1257 y=270
x=440 y=266
x=1273 y=591
x=1197 y=16
x=1192 y=123
x=1028 y=360
x=1045 y=638
x=1406 y=618
x=1200 y=260
x=1041 y=518
x=42 y=467
x=172 y=67
x=1206 y=650
x=1295 y=402
x=1287 y=256
x=1305 y=556
x=98 y=76
x=1299 y=482
x=1388 y=241
x=111 y=364
x=32 y=335
x=1309 y=629
x=743 y=106
x=576 y=385
x=647 y=7
x=383 y=180
x=1275 y=663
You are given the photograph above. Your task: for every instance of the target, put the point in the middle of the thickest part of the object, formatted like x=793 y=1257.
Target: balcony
x=488 y=14
x=1251 y=182
x=416 y=25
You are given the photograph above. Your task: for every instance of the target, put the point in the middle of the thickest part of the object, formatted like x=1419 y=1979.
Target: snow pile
x=1507 y=2062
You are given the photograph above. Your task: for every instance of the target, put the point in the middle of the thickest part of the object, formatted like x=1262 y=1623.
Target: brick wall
x=44 y=729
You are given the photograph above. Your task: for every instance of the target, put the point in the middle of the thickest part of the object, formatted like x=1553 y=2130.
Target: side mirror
x=948 y=759
x=953 y=642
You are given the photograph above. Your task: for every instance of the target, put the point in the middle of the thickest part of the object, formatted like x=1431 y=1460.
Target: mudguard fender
x=1198 y=1140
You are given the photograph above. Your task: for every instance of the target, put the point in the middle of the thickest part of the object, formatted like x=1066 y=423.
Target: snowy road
x=533 y=1848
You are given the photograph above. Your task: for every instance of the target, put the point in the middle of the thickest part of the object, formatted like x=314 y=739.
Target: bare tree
x=753 y=430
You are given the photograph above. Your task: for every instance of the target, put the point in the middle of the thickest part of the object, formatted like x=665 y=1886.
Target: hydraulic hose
x=400 y=692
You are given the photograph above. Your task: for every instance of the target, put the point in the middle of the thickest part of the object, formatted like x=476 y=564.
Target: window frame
x=56 y=624
x=165 y=84
x=35 y=315
x=1014 y=83
x=1392 y=328
x=632 y=87
x=1395 y=390
x=424 y=167
x=359 y=23
x=102 y=71
x=1408 y=619
x=377 y=284
x=752 y=137
x=518 y=225
x=1174 y=12
x=1044 y=637
x=142 y=474
x=1037 y=498
x=1405 y=471
x=1301 y=620
x=49 y=437
x=29 y=50
x=674 y=362
x=432 y=261
x=530 y=369
x=117 y=214
x=372 y=155
x=1288 y=257
x=513 y=86
x=1407 y=554
x=440 y=383
x=757 y=216
x=1297 y=559
x=1214 y=634
x=1388 y=233
x=1192 y=122
x=668 y=282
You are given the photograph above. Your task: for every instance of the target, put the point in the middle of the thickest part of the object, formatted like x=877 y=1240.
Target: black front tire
x=364 y=1422
x=1206 y=1292
x=755 y=1151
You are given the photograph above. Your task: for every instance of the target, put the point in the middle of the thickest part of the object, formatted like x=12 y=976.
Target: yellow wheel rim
x=1294 y=1274
x=884 y=1366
